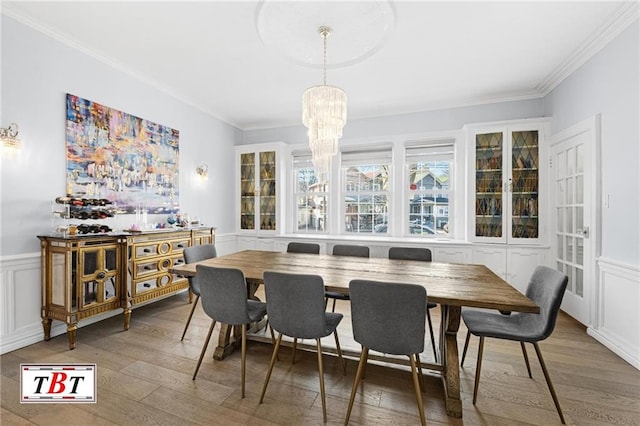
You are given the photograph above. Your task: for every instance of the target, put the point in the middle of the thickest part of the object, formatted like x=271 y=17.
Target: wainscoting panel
x=20 y=301
x=617 y=324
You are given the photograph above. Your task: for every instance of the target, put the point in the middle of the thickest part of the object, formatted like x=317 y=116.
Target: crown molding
x=14 y=12
x=616 y=24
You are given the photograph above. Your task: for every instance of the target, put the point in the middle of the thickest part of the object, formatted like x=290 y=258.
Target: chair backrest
x=310 y=248
x=410 y=253
x=388 y=317
x=295 y=304
x=223 y=292
x=349 y=250
x=200 y=252
x=194 y=254
x=546 y=288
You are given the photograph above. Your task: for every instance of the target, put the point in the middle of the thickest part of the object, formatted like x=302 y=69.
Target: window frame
x=366 y=155
x=301 y=160
x=430 y=150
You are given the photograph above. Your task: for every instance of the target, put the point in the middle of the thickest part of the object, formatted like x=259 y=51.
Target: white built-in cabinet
x=508 y=182
x=514 y=264
x=259 y=188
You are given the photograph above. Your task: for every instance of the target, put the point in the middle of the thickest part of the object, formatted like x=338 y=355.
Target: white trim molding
x=617 y=316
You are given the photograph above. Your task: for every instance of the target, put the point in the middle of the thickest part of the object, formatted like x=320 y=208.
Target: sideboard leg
x=71 y=334
x=127 y=318
x=46 y=326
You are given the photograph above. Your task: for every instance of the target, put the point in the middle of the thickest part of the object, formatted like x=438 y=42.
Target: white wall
x=419 y=122
x=608 y=84
x=37 y=72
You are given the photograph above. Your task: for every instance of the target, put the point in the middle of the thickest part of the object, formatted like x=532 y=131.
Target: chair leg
x=356 y=382
x=433 y=339
x=243 y=356
x=273 y=361
x=321 y=373
x=478 y=367
x=548 y=379
x=333 y=308
x=416 y=385
x=344 y=364
x=526 y=359
x=295 y=345
x=273 y=340
x=466 y=345
x=204 y=349
x=193 y=308
x=422 y=387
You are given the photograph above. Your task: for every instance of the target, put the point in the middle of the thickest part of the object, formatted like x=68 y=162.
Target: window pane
x=365 y=200
x=311 y=200
x=429 y=184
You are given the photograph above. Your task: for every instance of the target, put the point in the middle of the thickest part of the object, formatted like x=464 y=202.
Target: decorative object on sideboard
x=9 y=138
x=324 y=113
x=203 y=171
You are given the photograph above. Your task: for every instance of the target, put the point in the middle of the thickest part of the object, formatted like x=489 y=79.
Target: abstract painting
x=128 y=160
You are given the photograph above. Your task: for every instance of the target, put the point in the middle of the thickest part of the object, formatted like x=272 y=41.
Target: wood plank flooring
x=144 y=378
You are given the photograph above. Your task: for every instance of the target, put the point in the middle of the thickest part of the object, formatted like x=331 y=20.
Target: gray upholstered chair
x=344 y=250
x=295 y=304
x=191 y=255
x=388 y=318
x=424 y=255
x=310 y=248
x=224 y=299
x=546 y=288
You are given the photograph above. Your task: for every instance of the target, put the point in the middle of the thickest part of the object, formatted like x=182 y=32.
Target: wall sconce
x=203 y=171
x=9 y=137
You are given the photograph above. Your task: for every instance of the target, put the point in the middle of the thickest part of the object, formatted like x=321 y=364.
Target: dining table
x=451 y=285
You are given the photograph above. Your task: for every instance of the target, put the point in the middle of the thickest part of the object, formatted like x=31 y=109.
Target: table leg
x=225 y=344
x=449 y=354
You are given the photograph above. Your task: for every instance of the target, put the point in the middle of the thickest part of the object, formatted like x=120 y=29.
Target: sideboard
x=86 y=275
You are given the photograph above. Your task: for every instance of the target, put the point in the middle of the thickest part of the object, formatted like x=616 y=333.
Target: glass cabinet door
x=268 y=191
x=507 y=180
x=524 y=184
x=489 y=178
x=247 y=190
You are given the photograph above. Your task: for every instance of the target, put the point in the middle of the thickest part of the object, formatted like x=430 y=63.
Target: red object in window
x=413 y=187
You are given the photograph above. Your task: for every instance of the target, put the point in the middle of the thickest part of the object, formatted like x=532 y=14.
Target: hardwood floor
x=144 y=377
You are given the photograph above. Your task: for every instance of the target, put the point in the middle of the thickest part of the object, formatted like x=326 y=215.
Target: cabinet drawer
x=152 y=266
x=158 y=281
x=159 y=248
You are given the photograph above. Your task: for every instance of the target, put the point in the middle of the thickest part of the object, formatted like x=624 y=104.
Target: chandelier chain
x=325 y=33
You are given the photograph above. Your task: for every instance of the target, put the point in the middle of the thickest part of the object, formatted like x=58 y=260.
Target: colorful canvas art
x=123 y=158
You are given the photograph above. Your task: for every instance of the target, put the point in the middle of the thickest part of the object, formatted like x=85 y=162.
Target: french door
x=574 y=225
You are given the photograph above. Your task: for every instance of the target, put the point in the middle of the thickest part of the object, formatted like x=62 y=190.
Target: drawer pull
x=147 y=250
x=180 y=245
x=148 y=268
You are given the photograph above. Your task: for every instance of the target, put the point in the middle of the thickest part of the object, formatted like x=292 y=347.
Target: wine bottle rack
x=66 y=209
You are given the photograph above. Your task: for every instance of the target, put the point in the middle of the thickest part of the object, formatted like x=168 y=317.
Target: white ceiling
x=438 y=54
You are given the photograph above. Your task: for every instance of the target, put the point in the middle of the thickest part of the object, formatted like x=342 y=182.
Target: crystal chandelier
x=324 y=113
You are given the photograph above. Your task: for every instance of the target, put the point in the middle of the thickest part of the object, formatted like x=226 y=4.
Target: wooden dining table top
x=455 y=284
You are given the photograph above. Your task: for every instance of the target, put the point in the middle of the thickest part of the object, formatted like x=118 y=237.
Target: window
x=366 y=186
x=430 y=188
x=310 y=196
